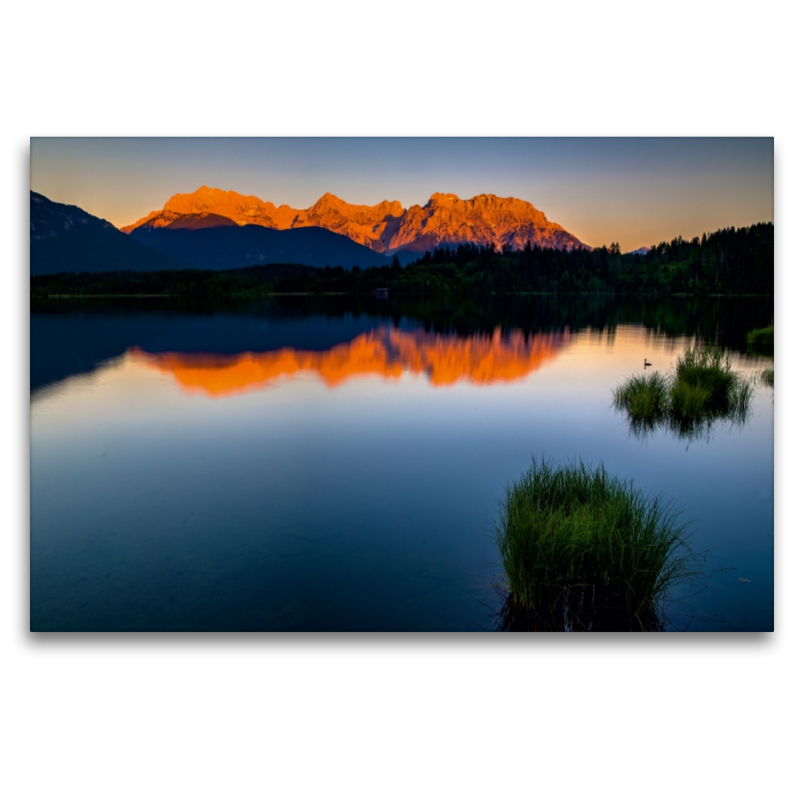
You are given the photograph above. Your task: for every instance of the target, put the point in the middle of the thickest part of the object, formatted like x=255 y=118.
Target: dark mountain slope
x=191 y=222
x=234 y=247
x=68 y=239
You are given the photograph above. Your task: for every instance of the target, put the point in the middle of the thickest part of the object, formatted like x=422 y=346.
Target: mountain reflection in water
x=446 y=359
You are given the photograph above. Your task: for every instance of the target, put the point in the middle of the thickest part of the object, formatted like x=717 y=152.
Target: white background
x=394 y=716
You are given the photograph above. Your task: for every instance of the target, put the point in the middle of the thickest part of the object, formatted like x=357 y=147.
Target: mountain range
x=215 y=229
x=66 y=238
x=386 y=228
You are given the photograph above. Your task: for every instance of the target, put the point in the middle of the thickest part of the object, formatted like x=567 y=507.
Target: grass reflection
x=579 y=612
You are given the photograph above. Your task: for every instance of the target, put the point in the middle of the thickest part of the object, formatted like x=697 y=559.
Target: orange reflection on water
x=385 y=352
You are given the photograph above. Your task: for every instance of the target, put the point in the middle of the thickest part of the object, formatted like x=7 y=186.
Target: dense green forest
x=197 y=283
x=729 y=261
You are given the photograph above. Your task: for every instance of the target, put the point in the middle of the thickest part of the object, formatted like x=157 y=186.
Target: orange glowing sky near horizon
x=445 y=359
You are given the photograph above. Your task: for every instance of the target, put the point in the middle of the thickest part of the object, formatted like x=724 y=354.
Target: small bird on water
x=647 y=363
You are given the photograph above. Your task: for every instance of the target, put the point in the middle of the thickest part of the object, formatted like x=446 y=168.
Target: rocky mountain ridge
x=385 y=228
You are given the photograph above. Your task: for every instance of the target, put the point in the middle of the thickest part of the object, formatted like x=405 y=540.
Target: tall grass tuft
x=761 y=340
x=576 y=543
x=741 y=395
x=704 y=381
x=689 y=400
x=762 y=336
x=644 y=396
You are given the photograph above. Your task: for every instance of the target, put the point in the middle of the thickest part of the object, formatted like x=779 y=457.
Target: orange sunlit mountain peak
x=387 y=227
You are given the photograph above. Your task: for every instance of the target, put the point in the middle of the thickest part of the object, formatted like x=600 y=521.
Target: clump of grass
x=577 y=544
x=761 y=340
x=705 y=389
x=702 y=389
x=644 y=395
x=767 y=377
x=704 y=380
x=645 y=398
x=688 y=400
x=762 y=336
x=741 y=395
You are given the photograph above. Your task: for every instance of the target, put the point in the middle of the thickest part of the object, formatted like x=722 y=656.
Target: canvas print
x=434 y=384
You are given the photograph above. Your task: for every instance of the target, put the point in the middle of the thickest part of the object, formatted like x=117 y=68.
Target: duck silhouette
x=647 y=363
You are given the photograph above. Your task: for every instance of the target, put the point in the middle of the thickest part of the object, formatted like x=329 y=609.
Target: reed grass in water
x=702 y=389
x=703 y=381
x=761 y=340
x=644 y=395
x=576 y=542
x=762 y=336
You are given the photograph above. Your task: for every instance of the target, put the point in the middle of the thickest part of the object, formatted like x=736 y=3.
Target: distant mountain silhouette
x=67 y=239
x=194 y=222
x=385 y=228
x=233 y=247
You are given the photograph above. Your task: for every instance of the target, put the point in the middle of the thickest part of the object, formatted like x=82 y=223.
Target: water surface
x=331 y=465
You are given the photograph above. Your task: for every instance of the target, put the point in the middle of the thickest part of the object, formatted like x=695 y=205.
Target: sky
x=635 y=191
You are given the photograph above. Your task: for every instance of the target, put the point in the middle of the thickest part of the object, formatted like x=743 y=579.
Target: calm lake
x=328 y=464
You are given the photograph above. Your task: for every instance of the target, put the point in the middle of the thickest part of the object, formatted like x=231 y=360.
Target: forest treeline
x=190 y=283
x=728 y=261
